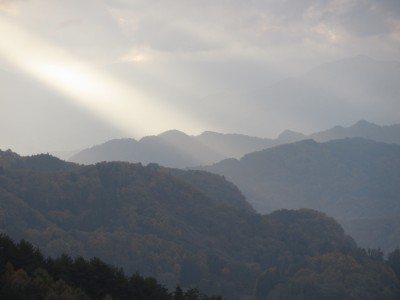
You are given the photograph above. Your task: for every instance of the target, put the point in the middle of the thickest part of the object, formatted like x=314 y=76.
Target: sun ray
x=122 y=105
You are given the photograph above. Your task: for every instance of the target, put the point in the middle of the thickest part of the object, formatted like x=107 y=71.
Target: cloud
x=10 y=7
x=362 y=18
x=136 y=55
x=207 y=55
x=215 y=29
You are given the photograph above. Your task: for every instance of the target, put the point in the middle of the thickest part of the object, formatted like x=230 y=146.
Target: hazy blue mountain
x=174 y=149
x=388 y=134
x=177 y=149
x=233 y=145
x=186 y=227
x=354 y=180
x=289 y=136
x=333 y=93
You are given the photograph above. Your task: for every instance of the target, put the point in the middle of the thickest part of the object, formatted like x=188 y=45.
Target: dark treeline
x=26 y=274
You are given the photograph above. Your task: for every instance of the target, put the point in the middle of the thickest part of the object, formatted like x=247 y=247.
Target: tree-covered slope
x=349 y=179
x=41 y=162
x=178 y=226
x=26 y=274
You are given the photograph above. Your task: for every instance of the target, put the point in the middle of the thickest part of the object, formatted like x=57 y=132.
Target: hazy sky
x=79 y=72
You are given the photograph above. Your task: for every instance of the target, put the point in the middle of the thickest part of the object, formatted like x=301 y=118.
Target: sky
x=80 y=72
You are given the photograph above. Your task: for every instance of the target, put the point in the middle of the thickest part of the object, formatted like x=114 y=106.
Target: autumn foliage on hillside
x=190 y=229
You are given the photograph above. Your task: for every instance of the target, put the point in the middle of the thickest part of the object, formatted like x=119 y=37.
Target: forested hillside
x=26 y=274
x=357 y=181
x=189 y=228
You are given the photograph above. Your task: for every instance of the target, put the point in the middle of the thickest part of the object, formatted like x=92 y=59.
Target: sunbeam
x=122 y=105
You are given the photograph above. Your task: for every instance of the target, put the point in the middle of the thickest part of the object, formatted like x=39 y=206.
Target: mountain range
x=174 y=149
x=186 y=227
x=340 y=92
x=341 y=188
x=355 y=180
x=177 y=149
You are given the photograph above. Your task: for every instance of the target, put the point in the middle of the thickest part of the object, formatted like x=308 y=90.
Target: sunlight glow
x=122 y=105
x=135 y=56
x=67 y=76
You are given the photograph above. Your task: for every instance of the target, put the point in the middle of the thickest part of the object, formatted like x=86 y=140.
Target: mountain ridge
x=350 y=179
x=177 y=226
x=174 y=148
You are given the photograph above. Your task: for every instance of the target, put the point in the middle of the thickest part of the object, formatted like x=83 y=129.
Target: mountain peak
x=173 y=133
x=208 y=133
x=364 y=124
x=289 y=136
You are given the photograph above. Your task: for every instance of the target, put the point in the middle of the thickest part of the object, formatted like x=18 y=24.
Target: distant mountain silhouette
x=334 y=93
x=354 y=180
x=289 y=136
x=177 y=149
x=387 y=134
x=174 y=149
